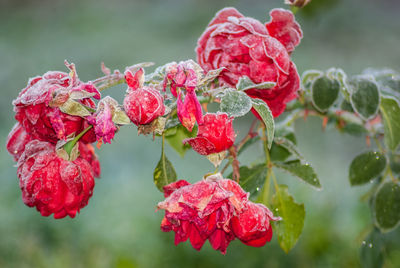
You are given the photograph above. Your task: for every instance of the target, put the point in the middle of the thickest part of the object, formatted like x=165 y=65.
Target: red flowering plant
x=243 y=65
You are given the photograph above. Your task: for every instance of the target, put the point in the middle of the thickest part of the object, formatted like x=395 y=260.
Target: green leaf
x=309 y=76
x=266 y=115
x=72 y=107
x=290 y=227
x=365 y=167
x=164 y=173
x=387 y=79
x=210 y=76
x=372 y=247
x=346 y=106
x=324 y=93
x=289 y=146
x=175 y=137
x=302 y=171
x=390 y=110
x=120 y=117
x=278 y=152
x=245 y=83
x=354 y=129
x=252 y=179
x=365 y=97
x=235 y=103
x=386 y=206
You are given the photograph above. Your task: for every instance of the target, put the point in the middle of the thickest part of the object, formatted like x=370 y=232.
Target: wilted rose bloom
x=52 y=184
x=102 y=120
x=37 y=109
x=215 y=135
x=202 y=211
x=216 y=209
x=16 y=141
x=182 y=79
x=142 y=104
x=246 y=47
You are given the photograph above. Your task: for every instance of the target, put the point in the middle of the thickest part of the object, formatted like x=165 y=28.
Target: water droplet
x=377 y=157
x=370 y=245
x=258 y=189
x=363 y=242
x=277 y=209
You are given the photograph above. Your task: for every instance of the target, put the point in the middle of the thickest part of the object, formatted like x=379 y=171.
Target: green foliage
x=309 y=76
x=324 y=92
x=366 y=166
x=386 y=206
x=371 y=253
x=278 y=151
x=290 y=227
x=395 y=163
x=365 y=97
x=164 y=173
x=252 y=179
x=245 y=83
x=266 y=115
x=235 y=103
x=175 y=137
x=390 y=110
x=302 y=171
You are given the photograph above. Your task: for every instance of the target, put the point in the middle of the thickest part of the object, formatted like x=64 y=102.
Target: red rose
x=202 y=211
x=216 y=209
x=52 y=184
x=215 y=135
x=16 y=141
x=252 y=226
x=37 y=109
x=246 y=47
x=142 y=104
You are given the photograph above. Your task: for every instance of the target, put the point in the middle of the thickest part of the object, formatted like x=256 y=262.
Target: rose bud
x=246 y=47
x=202 y=211
x=37 y=106
x=297 y=3
x=16 y=141
x=142 y=104
x=189 y=111
x=215 y=135
x=252 y=226
x=184 y=75
x=52 y=184
x=183 y=78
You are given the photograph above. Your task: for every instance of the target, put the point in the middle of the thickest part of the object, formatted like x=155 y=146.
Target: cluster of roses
x=57 y=109
x=216 y=209
x=48 y=181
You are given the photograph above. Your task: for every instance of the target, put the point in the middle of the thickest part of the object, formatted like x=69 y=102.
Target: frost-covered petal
x=283 y=27
x=16 y=141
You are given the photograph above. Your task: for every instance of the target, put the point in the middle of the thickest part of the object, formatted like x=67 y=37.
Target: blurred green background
x=119 y=227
